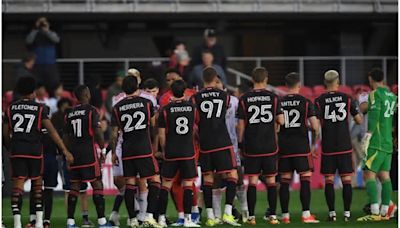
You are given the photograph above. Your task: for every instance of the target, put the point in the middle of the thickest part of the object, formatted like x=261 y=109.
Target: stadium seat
x=346 y=89
x=395 y=89
x=318 y=90
x=364 y=88
x=307 y=92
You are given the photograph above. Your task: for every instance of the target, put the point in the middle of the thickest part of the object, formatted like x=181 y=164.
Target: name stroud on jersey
x=24 y=107
x=181 y=109
x=131 y=106
x=258 y=98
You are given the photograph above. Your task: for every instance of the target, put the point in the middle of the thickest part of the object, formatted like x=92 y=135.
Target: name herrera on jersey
x=258 y=98
x=77 y=113
x=181 y=109
x=131 y=106
x=24 y=107
x=333 y=99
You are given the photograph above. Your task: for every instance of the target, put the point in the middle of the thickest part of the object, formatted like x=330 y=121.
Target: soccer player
x=134 y=116
x=259 y=114
x=176 y=130
x=216 y=150
x=294 y=147
x=378 y=144
x=82 y=131
x=334 y=110
x=22 y=127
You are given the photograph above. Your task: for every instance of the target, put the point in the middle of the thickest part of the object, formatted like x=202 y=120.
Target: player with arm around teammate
x=82 y=130
x=334 y=110
x=22 y=127
x=294 y=147
x=259 y=115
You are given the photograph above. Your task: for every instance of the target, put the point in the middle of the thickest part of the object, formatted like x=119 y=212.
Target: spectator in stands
x=178 y=47
x=24 y=69
x=43 y=42
x=95 y=91
x=114 y=89
x=196 y=77
x=183 y=64
x=209 y=43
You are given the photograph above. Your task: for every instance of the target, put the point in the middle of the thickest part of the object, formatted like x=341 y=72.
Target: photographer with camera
x=42 y=41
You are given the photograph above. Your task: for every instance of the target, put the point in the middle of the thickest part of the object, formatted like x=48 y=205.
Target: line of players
x=272 y=136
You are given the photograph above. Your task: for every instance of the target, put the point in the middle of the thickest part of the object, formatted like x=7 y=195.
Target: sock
x=177 y=193
x=85 y=215
x=230 y=190
x=17 y=220
x=143 y=201
x=347 y=195
x=72 y=199
x=332 y=213
x=130 y=191
x=305 y=193
x=346 y=213
x=102 y=221
x=207 y=194
x=284 y=195
x=216 y=202
x=187 y=199
x=386 y=192
x=99 y=202
x=330 y=195
x=306 y=213
x=152 y=198
x=70 y=221
x=228 y=209
x=195 y=209
x=384 y=210
x=117 y=202
x=163 y=200
x=194 y=196
x=48 y=203
x=16 y=201
x=272 y=198
x=32 y=209
x=251 y=198
x=241 y=195
x=375 y=208
x=371 y=191
x=210 y=213
x=38 y=200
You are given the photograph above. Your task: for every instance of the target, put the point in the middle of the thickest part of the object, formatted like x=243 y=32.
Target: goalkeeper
x=378 y=145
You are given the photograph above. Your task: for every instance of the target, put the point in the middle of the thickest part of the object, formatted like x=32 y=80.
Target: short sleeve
x=311 y=109
x=114 y=118
x=354 y=108
x=45 y=112
x=278 y=110
x=161 y=119
x=317 y=108
x=95 y=119
x=151 y=107
x=67 y=127
x=240 y=114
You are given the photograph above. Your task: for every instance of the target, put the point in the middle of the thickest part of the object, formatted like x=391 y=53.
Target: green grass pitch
x=318 y=207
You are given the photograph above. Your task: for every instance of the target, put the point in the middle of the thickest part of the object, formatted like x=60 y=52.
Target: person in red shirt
x=172 y=75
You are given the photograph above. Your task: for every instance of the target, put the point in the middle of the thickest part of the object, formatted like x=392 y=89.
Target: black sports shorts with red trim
x=343 y=163
x=266 y=165
x=85 y=174
x=300 y=164
x=144 y=167
x=186 y=168
x=22 y=168
x=218 y=161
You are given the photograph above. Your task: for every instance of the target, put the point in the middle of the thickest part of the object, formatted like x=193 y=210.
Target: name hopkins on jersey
x=131 y=106
x=181 y=109
x=258 y=98
x=24 y=107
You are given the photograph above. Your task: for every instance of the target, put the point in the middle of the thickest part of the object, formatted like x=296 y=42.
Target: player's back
x=258 y=108
x=293 y=135
x=25 y=121
x=212 y=104
x=133 y=115
x=179 y=118
x=385 y=102
x=335 y=110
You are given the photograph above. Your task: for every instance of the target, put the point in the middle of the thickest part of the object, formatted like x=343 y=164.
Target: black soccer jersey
x=80 y=123
x=132 y=115
x=178 y=118
x=25 y=122
x=334 y=110
x=259 y=108
x=293 y=135
x=212 y=104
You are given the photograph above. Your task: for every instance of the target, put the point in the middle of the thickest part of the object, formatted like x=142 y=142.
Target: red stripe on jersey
x=180 y=159
x=40 y=119
x=294 y=155
x=306 y=116
x=165 y=121
x=9 y=118
x=234 y=164
x=90 y=124
x=261 y=155
x=27 y=156
x=139 y=156
x=82 y=166
x=148 y=113
x=216 y=150
x=155 y=164
x=228 y=98
x=319 y=113
x=337 y=153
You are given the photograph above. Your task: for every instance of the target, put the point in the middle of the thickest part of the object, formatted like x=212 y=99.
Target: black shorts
x=186 y=168
x=50 y=171
x=219 y=161
x=22 y=168
x=142 y=167
x=85 y=174
x=343 y=163
x=300 y=164
x=267 y=166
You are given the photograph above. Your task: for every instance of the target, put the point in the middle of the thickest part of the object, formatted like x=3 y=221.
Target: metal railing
x=353 y=69
x=172 y=6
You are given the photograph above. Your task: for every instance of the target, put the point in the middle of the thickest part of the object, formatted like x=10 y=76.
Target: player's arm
x=355 y=111
x=98 y=134
x=114 y=136
x=162 y=137
x=56 y=138
x=241 y=115
x=315 y=126
x=374 y=114
x=161 y=130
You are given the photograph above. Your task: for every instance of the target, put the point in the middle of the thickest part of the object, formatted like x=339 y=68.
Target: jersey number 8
x=182 y=125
